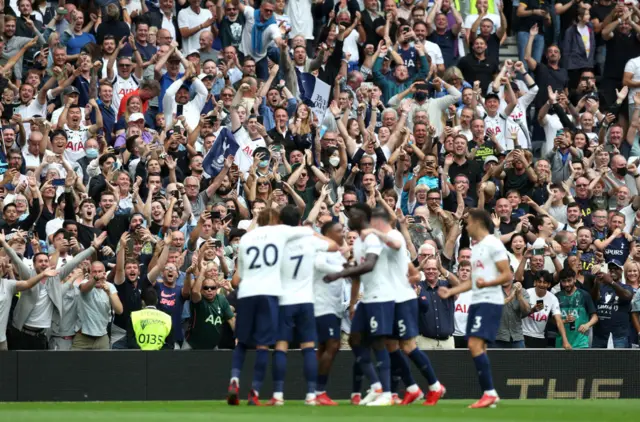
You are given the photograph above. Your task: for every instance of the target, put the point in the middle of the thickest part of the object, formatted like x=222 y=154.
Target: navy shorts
x=484 y=320
x=405 y=323
x=297 y=317
x=328 y=327
x=257 y=320
x=374 y=319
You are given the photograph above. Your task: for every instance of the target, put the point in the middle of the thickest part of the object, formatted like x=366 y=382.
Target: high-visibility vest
x=150 y=328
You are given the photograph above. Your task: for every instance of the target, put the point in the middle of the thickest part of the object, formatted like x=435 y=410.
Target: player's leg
x=328 y=330
x=380 y=328
x=264 y=335
x=305 y=326
x=279 y=363
x=482 y=327
x=356 y=372
x=244 y=329
x=407 y=326
x=361 y=350
x=400 y=370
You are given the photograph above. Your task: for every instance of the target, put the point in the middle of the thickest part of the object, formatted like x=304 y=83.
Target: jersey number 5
x=268 y=258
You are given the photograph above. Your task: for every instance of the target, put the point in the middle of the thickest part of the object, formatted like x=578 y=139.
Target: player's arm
x=356 y=270
x=446 y=293
x=505 y=275
x=387 y=240
x=563 y=333
x=355 y=295
x=414 y=274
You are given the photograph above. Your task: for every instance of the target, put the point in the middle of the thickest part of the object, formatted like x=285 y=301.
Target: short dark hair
x=483 y=217
x=11 y=204
x=566 y=273
x=381 y=213
x=328 y=226
x=150 y=297
x=290 y=216
x=58 y=132
x=364 y=208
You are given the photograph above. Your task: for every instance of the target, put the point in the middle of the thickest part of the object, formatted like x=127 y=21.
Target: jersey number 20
x=268 y=258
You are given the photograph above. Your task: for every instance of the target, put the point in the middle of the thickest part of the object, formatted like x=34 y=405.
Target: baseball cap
x=71 y=90
x=491 y=95
x=615 y=262
x=192 y=52
x=204 y=76
x=135 y=117
x=491 y=158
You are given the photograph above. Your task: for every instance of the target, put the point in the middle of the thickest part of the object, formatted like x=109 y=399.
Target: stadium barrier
x=203 y=375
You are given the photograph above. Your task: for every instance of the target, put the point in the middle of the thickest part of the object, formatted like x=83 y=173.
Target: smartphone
x=260 y=119
x=538 y=251
x=217 y=243
x=227 y=217
x=539 y=302
x=215 y=215
x=277 y=185
x=8 y=111
x=57 y=182
x=609 y=148
x=559 y=132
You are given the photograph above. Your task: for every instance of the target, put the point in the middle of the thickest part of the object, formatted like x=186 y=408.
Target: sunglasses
x=263 y=183
x=208 y=288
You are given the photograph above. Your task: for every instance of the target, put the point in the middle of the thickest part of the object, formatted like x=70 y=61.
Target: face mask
x=334 y=161
x=420 y=96
x=234 y=247
x=264 y=163
x=91 y=152
x=622 y=171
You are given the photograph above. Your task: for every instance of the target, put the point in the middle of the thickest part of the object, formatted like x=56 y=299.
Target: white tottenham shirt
x=484 y=256
x=461 y=313
x=376 y=284
x=328 y=298
x=260 y=255
x=398 y=267
x=297 y=267
x=534 y=324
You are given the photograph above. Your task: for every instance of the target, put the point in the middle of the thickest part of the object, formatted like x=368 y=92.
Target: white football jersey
x=461 y=313
x=399 y=269
x=484 y=256
x=376 y=284
x=260 y=255
x=328 y=297
x=296 y=270
x=534 y=324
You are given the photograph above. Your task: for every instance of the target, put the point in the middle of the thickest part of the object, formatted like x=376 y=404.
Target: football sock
x=260 y=368
x=400 y=367
x=363 y=358
x=237 y=360
x=356 y=380
x=384 y=369
x=321 y=385
x=484 y=372
x=310 y=368
x=421 y=360
x=278 y=370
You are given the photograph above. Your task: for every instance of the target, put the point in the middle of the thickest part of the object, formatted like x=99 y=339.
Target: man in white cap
x=69 y=92
x=136 y=120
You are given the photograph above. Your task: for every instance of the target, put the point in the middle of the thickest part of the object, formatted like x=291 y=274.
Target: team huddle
x=290 y=285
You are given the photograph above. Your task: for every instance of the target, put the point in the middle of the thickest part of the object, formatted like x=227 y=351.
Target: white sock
x=435 y=386
x=413 y=388
x=386 y=395
x=278 y=396
x=493 y=393
x=236 y=380
x=310 y=396
x=355 y=394
x=376 y=386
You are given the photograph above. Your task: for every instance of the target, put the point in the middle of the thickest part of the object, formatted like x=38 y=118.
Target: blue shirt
x=75 y=44
x=410 y=59
x=619 y=249
x=170 y=302
x=435 y=318
x=613 y=313
x=266 y=111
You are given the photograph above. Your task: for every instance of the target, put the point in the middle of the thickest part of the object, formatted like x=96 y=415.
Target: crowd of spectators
x=141 y=140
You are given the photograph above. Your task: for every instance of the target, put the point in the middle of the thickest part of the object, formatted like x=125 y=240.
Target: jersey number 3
x=269 y=256
x=477 y=322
